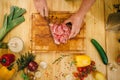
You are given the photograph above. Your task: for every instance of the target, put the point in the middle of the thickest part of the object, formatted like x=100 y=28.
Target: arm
x=77 y=18
x=41 y=6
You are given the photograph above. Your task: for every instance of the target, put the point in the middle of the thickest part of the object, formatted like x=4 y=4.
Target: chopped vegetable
x=101 y=51
x=5 y=73
x=98 y=76
x=10 y=21
x=82 y=60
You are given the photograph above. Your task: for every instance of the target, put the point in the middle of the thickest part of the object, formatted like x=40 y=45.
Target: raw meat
x=60 y=33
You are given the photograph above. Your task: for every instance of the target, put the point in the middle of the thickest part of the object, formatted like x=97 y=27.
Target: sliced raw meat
x=60 y=33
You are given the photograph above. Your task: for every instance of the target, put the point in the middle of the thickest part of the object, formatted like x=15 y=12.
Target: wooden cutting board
x=42 y=39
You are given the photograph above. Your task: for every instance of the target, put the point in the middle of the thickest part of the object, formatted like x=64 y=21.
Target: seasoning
x=59 y=59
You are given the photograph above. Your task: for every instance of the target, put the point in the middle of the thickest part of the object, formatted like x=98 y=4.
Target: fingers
x=41 y=7
x=73 y=33
x=66 y=21
x=41 y=11
x=46 y=12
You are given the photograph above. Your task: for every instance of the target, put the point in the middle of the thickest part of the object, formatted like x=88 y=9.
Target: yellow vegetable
x=6 y=74
x=82 y=60
x=98 y=76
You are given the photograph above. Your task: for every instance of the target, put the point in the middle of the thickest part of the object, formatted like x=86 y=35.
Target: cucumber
x=100 y=51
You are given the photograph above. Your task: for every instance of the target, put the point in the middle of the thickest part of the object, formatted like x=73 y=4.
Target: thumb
x=66 y=21
x=46 y=12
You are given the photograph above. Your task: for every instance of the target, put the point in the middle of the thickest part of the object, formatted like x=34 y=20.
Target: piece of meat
x=60 y=33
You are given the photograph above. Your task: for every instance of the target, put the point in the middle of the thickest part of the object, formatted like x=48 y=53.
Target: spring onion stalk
x=12 y=20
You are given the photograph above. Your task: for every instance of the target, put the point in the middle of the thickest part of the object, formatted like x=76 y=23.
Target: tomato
x=82 y=78
x=84 y=69
x=75 y=74
x=93 y=63
x=79 y=69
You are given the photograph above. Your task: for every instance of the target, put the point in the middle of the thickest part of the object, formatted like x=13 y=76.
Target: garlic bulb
x=43 y=65
x=38 y=74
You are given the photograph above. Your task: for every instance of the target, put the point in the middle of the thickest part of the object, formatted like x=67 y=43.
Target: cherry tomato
x=93 y=63
x=79 y=69
x=82 y=78
x=75 y=74
x=84 y=69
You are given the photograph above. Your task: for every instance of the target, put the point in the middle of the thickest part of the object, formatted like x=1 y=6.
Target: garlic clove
x=43 y=65
x=69 y=77
x=38 y=74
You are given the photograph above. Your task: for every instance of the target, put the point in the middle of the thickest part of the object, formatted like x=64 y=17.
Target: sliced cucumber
x=100 y=51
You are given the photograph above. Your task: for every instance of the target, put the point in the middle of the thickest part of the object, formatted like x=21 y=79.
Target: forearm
x=85 y=6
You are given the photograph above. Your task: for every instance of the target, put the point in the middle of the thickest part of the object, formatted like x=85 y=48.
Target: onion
x=15 y=44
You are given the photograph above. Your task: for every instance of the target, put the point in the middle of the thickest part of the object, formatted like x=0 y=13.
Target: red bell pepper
x=7 y=59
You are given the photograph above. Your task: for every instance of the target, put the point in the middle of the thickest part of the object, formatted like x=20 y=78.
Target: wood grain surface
x=42 y=39
x=95 y=28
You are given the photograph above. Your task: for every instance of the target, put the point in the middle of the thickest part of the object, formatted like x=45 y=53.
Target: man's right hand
x=41 y=6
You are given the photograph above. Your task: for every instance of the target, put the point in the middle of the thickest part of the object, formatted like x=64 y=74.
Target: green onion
x=12 y=20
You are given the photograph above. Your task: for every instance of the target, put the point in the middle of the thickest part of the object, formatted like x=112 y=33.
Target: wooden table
x=95 y=28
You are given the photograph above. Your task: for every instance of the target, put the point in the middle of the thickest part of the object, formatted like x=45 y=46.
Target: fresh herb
x=24 y=76
x=10 y=21
x=73 y=63
x=10 y=67
x=59 y=59
x=24 y=60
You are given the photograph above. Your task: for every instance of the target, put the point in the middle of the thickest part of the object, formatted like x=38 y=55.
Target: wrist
x=81 y=15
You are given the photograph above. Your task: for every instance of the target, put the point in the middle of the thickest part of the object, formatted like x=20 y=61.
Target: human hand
x=41 y=6
x=77 y=23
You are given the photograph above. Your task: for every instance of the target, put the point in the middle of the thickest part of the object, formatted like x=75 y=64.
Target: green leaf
x=15 y=22
x=4 y=27
x=10 y=17
x=73 y=62
x=5 y=21
x=24 y=76
x=15 y=18
x=19 y=12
